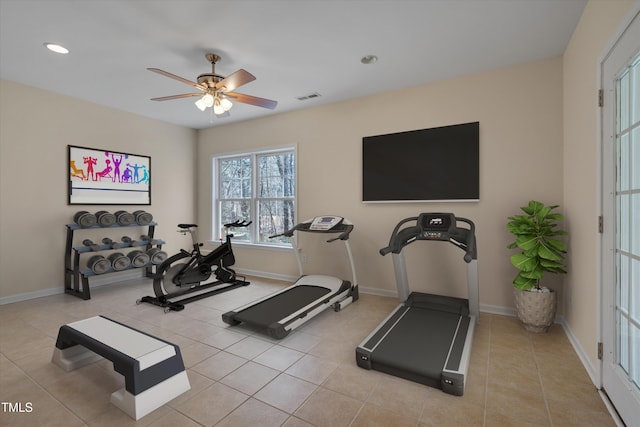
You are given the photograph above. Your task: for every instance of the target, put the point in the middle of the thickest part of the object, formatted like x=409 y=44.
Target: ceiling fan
x=216 y=90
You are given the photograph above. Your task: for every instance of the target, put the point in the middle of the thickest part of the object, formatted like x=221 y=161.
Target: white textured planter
x=536 y=310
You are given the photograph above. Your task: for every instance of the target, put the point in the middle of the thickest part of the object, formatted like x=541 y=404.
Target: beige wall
x=520 y=113
x=538 y=127
x=598 y=24
x=35 y=128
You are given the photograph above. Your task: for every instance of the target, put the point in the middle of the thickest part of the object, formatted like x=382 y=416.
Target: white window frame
x=216 y=225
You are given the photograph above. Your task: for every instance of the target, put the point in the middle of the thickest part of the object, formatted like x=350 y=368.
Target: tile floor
x=241 y=378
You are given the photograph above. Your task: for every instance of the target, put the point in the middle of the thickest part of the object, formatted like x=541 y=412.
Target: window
x=259 y=187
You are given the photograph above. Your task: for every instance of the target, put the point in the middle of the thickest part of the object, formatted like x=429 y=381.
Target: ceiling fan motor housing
x=209 y=79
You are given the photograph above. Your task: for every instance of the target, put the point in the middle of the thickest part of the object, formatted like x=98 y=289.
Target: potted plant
x=540 y=252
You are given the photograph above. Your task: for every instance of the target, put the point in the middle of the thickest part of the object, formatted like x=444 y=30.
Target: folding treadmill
x=427 y=338
x=279 y=313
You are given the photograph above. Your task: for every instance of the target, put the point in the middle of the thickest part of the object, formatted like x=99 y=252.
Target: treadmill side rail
x=368 y=345
x=455 y=380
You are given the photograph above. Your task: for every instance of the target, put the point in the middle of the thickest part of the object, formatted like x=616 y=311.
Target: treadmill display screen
x=435 y=222
x=324 y=223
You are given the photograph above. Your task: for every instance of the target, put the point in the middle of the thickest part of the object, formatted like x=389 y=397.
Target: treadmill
x=427 y=338
x=281 y=312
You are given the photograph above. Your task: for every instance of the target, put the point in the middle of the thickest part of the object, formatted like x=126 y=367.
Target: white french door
x=621 y=232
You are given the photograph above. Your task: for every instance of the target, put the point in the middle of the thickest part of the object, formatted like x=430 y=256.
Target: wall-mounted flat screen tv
x=437 y=164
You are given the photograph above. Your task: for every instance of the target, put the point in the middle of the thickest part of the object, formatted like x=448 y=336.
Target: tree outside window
x=258 y=187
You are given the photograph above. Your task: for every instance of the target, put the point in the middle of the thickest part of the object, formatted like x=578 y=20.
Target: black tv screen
x=437 y=164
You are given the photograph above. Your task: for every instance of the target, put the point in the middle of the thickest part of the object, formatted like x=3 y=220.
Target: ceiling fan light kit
x=217 y=89
x=206 y=101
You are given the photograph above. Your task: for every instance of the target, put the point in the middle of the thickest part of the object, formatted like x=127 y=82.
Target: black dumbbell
x=105 y=219
x=149 y=240
x=124 y=218
x=94 y=247
x=142 y=217
x=157 y=255
x=138 y=258
x=85 y=219
x=119 y=261
x=98 y=264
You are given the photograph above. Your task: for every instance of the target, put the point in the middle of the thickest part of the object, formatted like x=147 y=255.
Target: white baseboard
x=94 y=282
x=120 y=276
x=266 y=275
x=31 y=295
x=592 y=371
x=496 y=309
x=376 y=291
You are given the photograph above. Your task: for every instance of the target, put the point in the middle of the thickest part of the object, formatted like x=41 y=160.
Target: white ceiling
x=294 y=48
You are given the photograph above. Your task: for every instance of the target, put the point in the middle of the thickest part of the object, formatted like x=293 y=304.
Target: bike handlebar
x=238 y=223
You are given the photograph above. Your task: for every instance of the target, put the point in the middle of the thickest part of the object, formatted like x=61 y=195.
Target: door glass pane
x=635 y=157
x=623 y=162
x=636 y=356
x=623 y=104
x=623 y=222
x=635 y=224
x=635 y=88
x=623 y=342
x=634 y=291
x=623 y=281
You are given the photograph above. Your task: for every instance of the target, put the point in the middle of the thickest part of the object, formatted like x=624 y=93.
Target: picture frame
x=107 y=177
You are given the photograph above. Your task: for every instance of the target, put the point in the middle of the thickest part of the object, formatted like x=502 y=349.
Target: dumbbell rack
x=76 y=280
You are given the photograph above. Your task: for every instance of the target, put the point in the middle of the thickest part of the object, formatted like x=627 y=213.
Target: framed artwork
x=104 y=177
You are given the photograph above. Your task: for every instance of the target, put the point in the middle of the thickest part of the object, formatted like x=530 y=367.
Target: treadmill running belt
x=282 y=305
x=417 y=347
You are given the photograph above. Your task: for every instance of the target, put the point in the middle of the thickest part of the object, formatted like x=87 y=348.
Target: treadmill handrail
x=464 y=238
x=344 y=227
x=393 y=243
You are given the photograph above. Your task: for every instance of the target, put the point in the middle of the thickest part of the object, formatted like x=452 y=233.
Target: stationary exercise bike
x=188 y=272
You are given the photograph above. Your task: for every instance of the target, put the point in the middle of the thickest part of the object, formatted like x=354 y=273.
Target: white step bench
x=153 y=369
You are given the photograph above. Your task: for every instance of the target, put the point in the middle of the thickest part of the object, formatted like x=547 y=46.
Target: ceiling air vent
x=310 y=96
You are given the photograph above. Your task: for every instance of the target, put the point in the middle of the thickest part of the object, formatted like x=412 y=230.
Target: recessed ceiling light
x=369 y=59
x=54 y=47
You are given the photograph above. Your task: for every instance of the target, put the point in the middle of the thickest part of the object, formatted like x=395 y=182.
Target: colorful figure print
x=90 y=162
x=75 y=172
x=108 y=177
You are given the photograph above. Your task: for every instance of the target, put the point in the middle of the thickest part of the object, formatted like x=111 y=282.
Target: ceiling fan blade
x=184 y=95
x=178 y=78
x=237 y=79
x=253 y=100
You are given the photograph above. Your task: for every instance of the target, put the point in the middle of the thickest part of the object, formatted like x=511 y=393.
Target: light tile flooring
x=241 y=378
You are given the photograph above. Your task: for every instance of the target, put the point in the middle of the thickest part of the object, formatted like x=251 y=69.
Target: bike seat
x=185 y=226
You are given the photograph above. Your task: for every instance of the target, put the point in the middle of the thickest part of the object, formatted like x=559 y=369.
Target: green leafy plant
x=536 y=236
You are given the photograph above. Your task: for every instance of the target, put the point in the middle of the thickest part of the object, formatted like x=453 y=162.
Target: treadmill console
x=435 y=226
x=325 y=223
